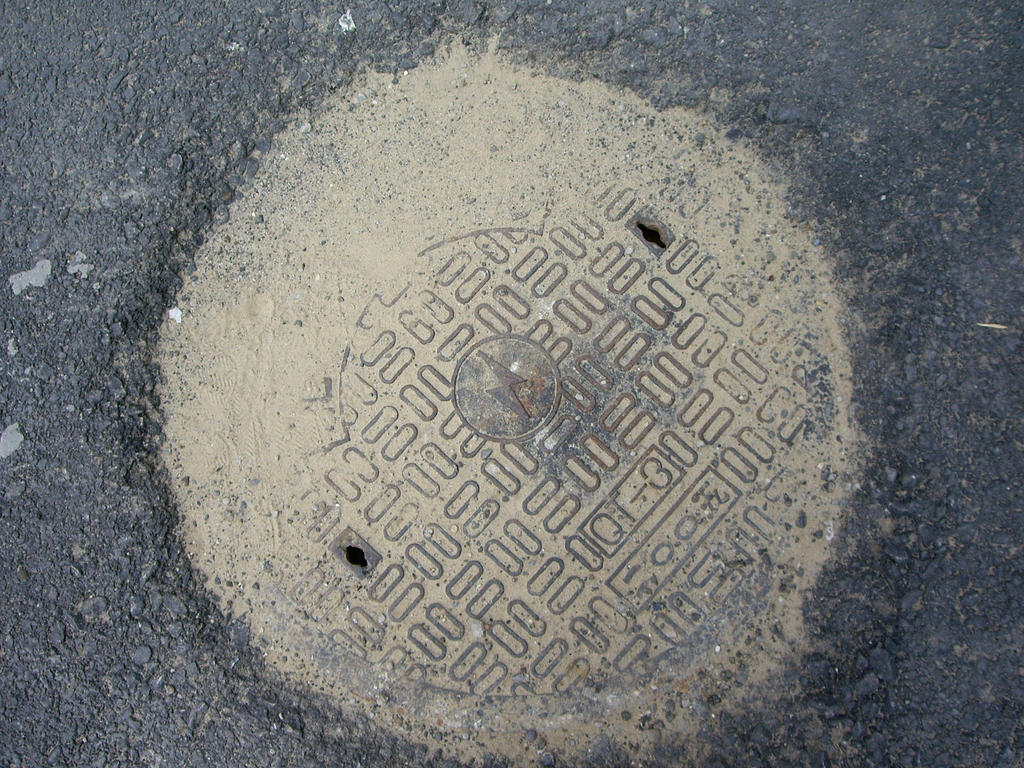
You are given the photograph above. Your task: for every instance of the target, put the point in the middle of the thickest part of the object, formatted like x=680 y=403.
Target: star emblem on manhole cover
x=506 y=387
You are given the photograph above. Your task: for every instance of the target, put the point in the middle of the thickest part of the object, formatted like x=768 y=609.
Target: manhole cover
x=505 y=405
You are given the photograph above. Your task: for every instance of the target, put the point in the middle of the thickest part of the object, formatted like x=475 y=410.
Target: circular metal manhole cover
x=503 y=401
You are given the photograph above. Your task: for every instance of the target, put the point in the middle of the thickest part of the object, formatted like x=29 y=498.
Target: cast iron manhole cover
x=505 y=405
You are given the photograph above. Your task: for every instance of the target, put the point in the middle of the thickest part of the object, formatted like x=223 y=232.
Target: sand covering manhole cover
x=510 y=408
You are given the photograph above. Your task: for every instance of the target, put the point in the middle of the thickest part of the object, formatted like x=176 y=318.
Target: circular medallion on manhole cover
x=506 y=387
x=504 y=405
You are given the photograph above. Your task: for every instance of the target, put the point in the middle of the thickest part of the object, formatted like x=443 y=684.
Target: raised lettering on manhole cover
x=501 y=402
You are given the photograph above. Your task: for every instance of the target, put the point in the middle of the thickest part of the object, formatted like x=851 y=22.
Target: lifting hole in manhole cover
x=483 y=417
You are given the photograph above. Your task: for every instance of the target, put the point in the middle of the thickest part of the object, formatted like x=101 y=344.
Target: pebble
x=15 y=490
x=469 y=11
x=174 y=605
x=142 y=655
x=136 y=606
x=867 y=685
x=10 y=440
x=92 y=607
x=503 y=12
x=56 y=635
x=239 y=635
x=31 y=278
x=881 y=662
x=77 y=265
x=39 y=242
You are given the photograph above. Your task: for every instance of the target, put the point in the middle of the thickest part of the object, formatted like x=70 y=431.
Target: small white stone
x=77 y=265
x=31 y=278
x=346 y=23
x=175 y=314
x=10 y=440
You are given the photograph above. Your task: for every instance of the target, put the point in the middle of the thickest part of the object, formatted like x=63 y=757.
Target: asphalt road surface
x=126 y=131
